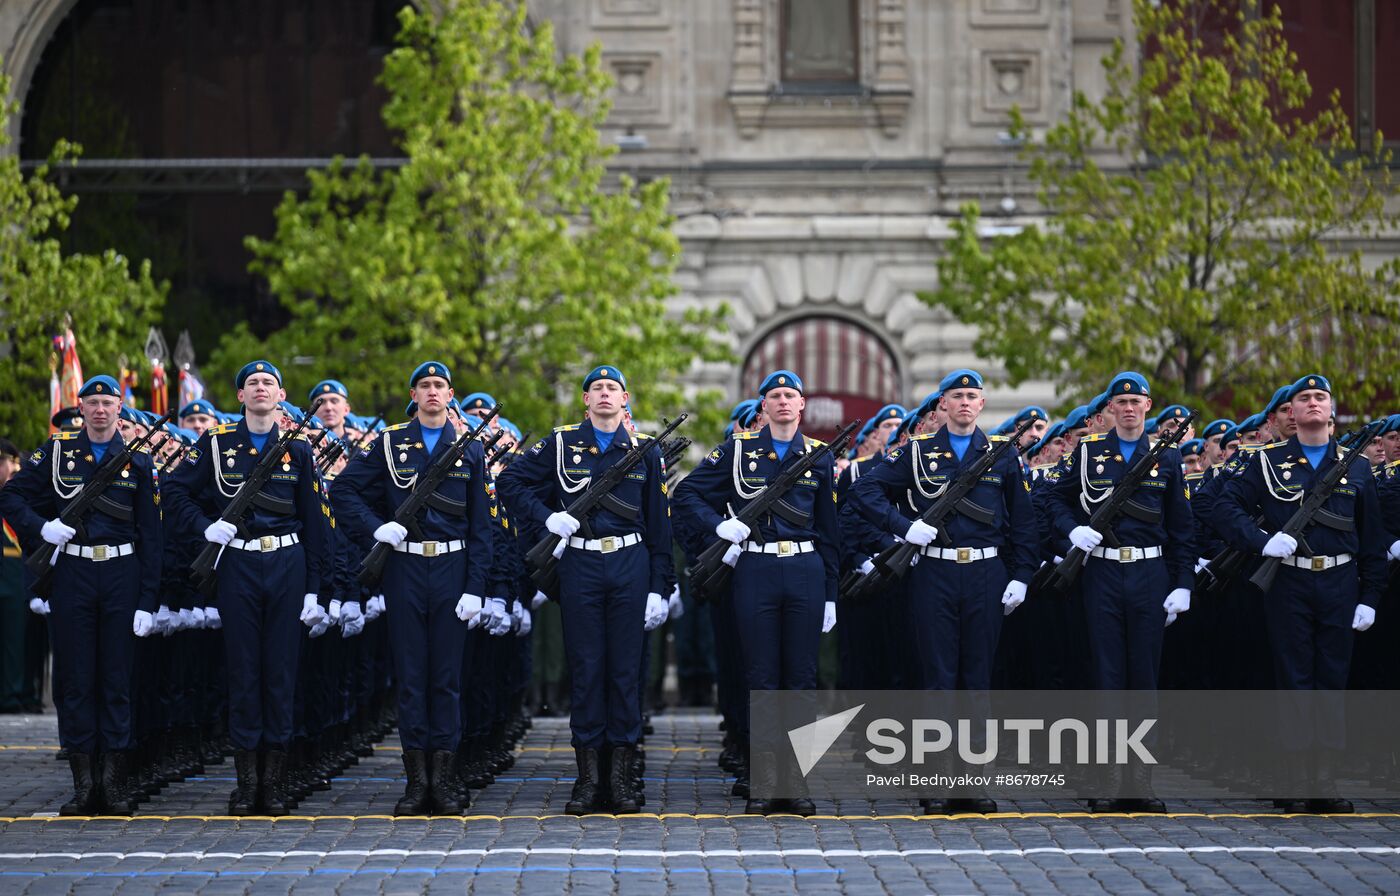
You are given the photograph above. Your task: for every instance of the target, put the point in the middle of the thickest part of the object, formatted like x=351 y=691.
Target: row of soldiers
x=425 y=554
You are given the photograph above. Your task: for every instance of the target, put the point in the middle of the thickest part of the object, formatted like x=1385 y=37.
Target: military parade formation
x=285 y=586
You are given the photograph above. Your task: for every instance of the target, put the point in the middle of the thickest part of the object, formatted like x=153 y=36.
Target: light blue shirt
x=430 y=438
x=780 y=448
x=959 y=443
x=1128 y=449
x=259 y=439
x=1314 y=454
x=99 y=449
x=605 y=439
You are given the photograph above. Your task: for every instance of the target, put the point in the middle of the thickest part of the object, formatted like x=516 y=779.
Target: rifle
x=710 y=575
x=202 y=570
x=1310 y=508
x=93 y=495
x=541 y=559
x=372 y=569
x=502 y=452
x=1059 y=576
x=894 y=561
x=671 y=452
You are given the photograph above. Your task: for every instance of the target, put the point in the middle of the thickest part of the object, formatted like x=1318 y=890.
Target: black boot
x=1141 y=777
x=415 y=796
x=1112 y=784
x=1329 y=803
x=443 y=784
x=620 y=787
x=584 y=798
x=761 y=786
x=273 y=795
x=936 y=807
x=244 y=799
x=117 y=798
x=84 y=801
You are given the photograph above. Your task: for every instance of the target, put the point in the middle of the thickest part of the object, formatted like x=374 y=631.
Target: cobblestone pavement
x=515 y=839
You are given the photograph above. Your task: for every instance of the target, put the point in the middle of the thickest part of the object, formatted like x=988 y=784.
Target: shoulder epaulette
x=395 y=428
x=745 y=435
x=813 y=443
x=997 y=438
x=861 y=460
x=1192 y=477
x=1251 y=447
x=1095 y=437
x=65 y=435
x=223 y=428
x=567 y=427
x=923 y=435
x=1275 y=444
x=1393 y=465
x=640 y=435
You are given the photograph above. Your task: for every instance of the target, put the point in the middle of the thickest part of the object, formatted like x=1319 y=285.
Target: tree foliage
x=499 y=247
x=1201 y=227
x=111 y=305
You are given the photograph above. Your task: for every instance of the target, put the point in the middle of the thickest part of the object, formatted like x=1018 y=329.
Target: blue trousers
x=778 y=614
x=93 y=649
x=427 y=640
x=260 y=599
x=955 y=613
x=1124 y=616
x=1308 y=616
x=602 y=600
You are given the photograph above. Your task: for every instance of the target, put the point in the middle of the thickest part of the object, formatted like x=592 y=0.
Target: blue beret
x=231 y=418
x=1311 y=381
x=785 y=379
x=890 y=412
x=188 y=436
x=1192 y=447
x=728 y=431
x=410 y=409
x=742 y=406
x=866 y=429
x=1392 y=424
x=327 y=387
x=478 y=401
x=292 y=411
x=1150 y=427
x=930 y=402
x=750 y=414
x=64 y=416
x=1054 y=432
x=1128 y=383
x=1250 y=424
x=430 y=368
x=198 y=406
x=961 y=378
x=1280 y=396
x=509 y=427
x=1030 y=412
x=102 y=384
x=1172 y=412
x=907 y=424
x=130 y=415
x=1216 y=428
x=605 y=373
x=147 y=418
x=454 y=405
x=1231 y=434
x=1077 y=418
x=1097 y=404
x=1004 y=427
x=313 y=423
x=253 y=367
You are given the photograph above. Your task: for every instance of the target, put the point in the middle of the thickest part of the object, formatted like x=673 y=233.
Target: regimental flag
x=156 y=353
x=130 y=379
x=191 y=386
x=67 y=380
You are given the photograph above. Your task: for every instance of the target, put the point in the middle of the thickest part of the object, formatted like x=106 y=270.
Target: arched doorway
x=847 y=370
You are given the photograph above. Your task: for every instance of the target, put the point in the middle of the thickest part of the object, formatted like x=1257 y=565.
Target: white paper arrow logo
x=810 y=742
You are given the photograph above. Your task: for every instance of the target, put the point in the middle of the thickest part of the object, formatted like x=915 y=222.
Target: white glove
x=165 y=620
x=1179 y=601
x=197 y=614
x=674 y=608
x=39 y=606
x=320 y=628
x=538 y=600
x=57 y=533
x=562 y=524
x=1364 y=618
x=1394 y=552
x=732 y=530
x=335 y=611
x=1084 y=538
x=731 y=555
x=500 y=617
x=373 y=607
x=1012 y=597
x=469 y=610
x=1280 y=545
x=391 y=533
x=312 y=615
x=1201 y=563
x=655 y=612
x=212 y=619
x=867 y=567
x=352 y=621
x=220 y=532
x=527 y=622
x=921 y=533
x=143 y=624
x=828 y=616
x=186 y=620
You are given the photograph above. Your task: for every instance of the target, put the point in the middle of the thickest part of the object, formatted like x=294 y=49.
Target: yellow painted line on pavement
x=1008 y=816
x=30 y=747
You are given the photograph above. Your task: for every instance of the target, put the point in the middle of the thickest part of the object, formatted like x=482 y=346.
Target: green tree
x=111 y=305
x=499 y=247
x=1200 y=228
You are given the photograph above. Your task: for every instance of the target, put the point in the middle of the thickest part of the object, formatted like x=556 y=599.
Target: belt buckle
x=430 y=549
x=99 y=552
x=786 y=548
x=964 y=555
x=1125 y=555
x=608 y=545
x=267 y=542
x=1319 y=564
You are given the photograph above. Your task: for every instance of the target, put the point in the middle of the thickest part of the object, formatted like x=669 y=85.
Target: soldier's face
x=886 y=429
x=1034 y=434
x=1192 y=464
x=605 y=398
x=783 y=405
x=1311 y=408
x=962 y=406
x=331 y=409
x=197 y=423
x=1053 y=451
x=1211 y=453
x=100 y=411
x=1375 y=452
x=1391 y=441
x=1228 y=451
x=1130 y=411
x=432 y=394
x=260 y=393
x=9 y=466
x=1073 y=436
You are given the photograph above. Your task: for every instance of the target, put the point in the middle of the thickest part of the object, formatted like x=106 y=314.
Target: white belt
x=429 y=548
x=781 y=548
x=959 y=555
x=99 y=552
x=1126 y=555
x=606 y=545
x=1317 y=564
x=264 y=544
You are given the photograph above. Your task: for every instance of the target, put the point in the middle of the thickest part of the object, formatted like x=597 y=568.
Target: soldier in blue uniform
x=785 y=572
x=105 y=585
x=1331 y=579
x=1131 y=592
x=432 y=581
x=613 y=577
x=270 y=571
x=329 y=400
